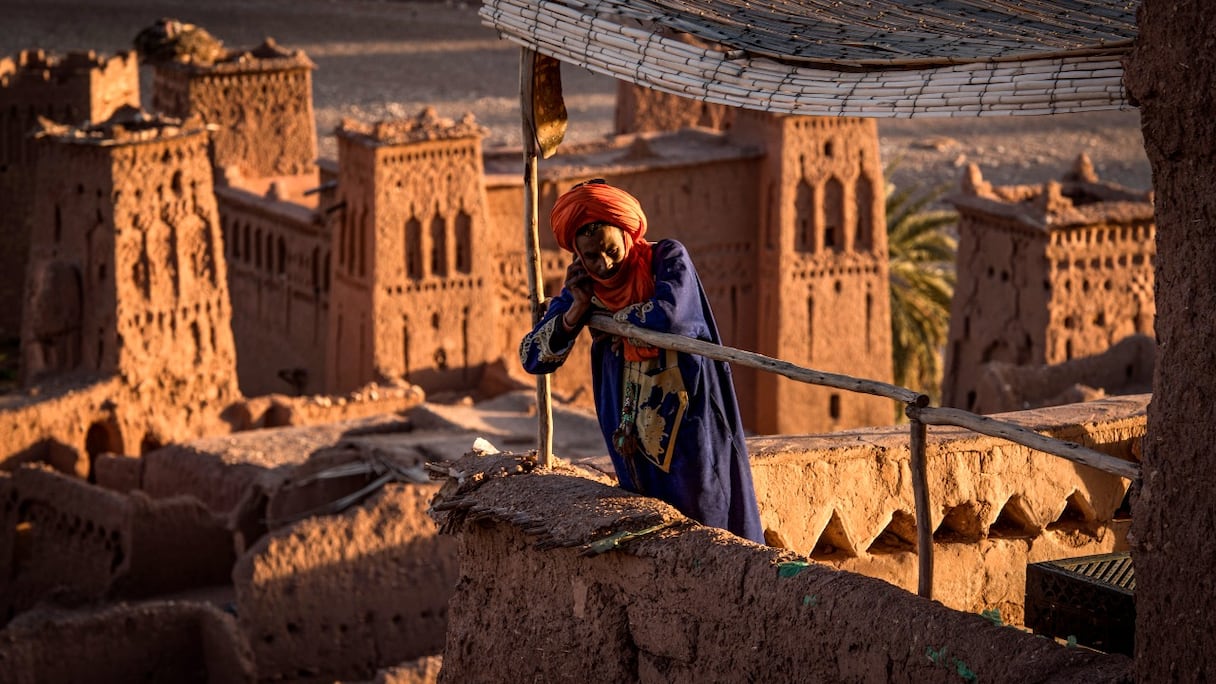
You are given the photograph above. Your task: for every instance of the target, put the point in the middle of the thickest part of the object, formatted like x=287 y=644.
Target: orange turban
x=592 y=202
x=599 y=202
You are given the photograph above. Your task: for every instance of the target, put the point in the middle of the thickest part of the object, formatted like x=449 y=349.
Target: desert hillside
x=386 y=59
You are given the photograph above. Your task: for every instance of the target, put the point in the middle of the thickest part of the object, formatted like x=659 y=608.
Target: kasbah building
x=196 y=272
x=183 y=260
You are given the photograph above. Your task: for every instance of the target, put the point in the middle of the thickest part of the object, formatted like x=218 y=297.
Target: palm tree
x=921 y=255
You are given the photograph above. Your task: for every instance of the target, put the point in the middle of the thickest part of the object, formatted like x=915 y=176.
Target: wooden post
x=924 y=523
x=544 y=394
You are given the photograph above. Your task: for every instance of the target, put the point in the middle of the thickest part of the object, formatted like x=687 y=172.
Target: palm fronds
x=921 y=261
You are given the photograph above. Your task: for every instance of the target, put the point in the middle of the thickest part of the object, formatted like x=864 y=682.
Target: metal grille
x=1114 y=569
x=1089 y=599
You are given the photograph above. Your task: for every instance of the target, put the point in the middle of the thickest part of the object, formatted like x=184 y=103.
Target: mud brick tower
x=260 y=102
x=1046 y=273
x=822 y=267
x=71 y=89
x=410 y=297
x=126 y=275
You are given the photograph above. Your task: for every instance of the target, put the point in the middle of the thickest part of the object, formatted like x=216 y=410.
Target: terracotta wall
x=272 y=132
x=824 y=300
x=69 y=89
x=846 y=500
x=77 y=544
x=1172 y=83
x=248 y=520
x=1125 y=368
x=640 y=110
x=411 y=257
x=339 y=593
x=342 y=596
x=1046 y=274
x=189 y=643
x=540 y=600
x=129 y=278
x=278 y=275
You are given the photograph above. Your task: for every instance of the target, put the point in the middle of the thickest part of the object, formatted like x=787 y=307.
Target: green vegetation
x=921 y=253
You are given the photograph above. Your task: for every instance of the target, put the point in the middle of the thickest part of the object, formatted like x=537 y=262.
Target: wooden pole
x=544 y=393
x=924 y=522
x=917 y=404
x=753 y=360
x=1019 y=435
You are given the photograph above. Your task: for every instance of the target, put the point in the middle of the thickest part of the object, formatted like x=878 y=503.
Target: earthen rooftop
x=427 y=125
x=626 y=154
x=125 y=127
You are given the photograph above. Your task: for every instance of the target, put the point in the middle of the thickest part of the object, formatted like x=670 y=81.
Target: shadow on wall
x=62 y=457
x=1125 y=368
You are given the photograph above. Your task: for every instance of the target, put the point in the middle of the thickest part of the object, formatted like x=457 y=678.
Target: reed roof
x=879 y=58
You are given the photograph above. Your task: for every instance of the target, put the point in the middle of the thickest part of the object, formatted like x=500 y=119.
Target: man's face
x=601 y=251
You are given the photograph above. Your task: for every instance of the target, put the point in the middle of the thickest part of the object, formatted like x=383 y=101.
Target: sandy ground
x=388 y=59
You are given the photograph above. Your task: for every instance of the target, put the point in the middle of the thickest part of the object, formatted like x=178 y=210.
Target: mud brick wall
x=72 y=540
x=680 y=602
x=177 y=642
x=846 y=500
x=73 y=543
x=341 y=596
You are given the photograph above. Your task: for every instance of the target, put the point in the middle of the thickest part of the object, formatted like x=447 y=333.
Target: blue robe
x=707 y=475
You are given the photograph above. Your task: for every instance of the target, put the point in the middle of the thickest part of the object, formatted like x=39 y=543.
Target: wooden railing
x=916 y=407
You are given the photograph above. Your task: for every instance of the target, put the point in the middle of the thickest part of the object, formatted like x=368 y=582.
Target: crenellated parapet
x=846 y=499
x=426 y=125
x=260 y=102
x=1046 y=273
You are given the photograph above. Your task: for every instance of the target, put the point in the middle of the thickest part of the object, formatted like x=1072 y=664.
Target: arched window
x=804 y=218
x=464 y=242
x=413 y=248
x=864 y=241
x=439 y=246
x=833 y=214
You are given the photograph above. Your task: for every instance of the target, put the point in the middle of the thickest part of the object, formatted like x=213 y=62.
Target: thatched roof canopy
x=880 y=58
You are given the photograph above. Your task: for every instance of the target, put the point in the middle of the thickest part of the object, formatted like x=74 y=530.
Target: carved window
x=804 y=218
x=361 y=248
x=869 y=318
x=439 y=246
x=413 y=248
x=833 y=214
x=810 y=329
x=865 y=214
x=464 y=242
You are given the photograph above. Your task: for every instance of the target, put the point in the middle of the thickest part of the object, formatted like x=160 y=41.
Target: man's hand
x=579 y=284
